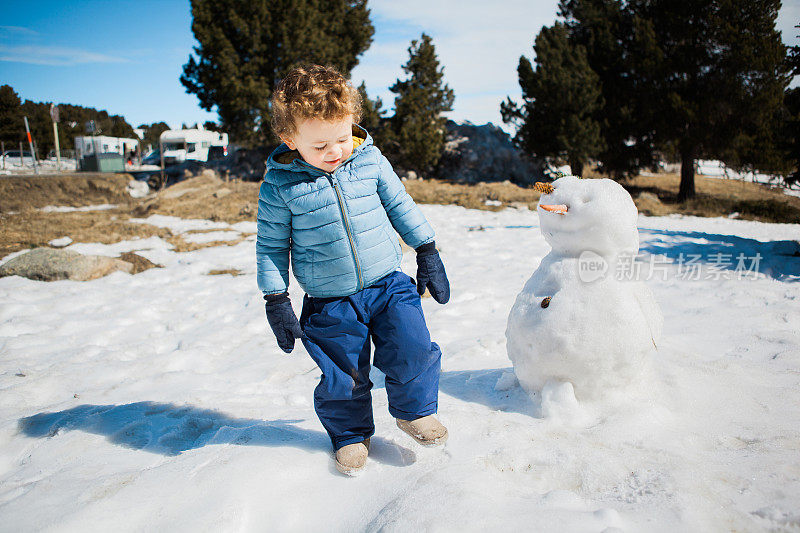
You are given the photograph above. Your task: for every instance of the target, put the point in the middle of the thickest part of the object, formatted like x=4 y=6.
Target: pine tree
x=371 y=112
x=560 y=97
x=245 y=48
x=605 y=30
x=418 y=123
x=152 y=133
x=373 y=119
x=701 y=79
x=717 y=77
x=12 y=129
x=790 y=131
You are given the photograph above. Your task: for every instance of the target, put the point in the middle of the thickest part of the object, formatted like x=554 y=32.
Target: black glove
x=430 y=273
x=282 y=320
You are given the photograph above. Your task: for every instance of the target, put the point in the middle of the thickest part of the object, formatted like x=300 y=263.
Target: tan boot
x=350 y=459
x=426 y=430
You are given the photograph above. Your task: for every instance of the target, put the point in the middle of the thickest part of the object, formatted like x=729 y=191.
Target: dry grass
x=717 y=197
x=31 y=229
x=208 y=197
x=26 y=193
x=473 y=196
x=220 y=272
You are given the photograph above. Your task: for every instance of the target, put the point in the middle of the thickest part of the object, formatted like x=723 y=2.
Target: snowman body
x=573 y=321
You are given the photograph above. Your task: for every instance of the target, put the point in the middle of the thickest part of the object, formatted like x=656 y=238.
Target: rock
x=47 y=264
x=648 y=197
x=140 y=264
x=649 y=204
x=138 y=189
x=484 y=153
x=223 y=192
x=411 y=175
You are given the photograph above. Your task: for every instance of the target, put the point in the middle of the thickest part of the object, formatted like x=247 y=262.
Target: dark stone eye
x=546 y=302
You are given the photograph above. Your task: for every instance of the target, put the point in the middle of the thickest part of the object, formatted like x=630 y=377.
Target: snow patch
x=69 y=209
x=211 y=236
x=61 y=242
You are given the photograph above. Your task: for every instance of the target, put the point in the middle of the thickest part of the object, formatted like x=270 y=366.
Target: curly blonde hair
x=312 y=91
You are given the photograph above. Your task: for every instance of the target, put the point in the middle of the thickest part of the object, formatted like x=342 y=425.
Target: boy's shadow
x=169 y=429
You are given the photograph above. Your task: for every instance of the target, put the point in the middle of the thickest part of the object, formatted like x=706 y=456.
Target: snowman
x=579 y=330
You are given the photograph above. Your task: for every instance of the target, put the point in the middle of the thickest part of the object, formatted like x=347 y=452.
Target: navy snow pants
x=337 y=332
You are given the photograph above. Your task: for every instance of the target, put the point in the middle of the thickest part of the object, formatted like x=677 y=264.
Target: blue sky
x=126 y=56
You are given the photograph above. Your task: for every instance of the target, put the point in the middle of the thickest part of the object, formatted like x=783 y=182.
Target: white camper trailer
x=101 y=153
x=102 y=144
x=190 y=144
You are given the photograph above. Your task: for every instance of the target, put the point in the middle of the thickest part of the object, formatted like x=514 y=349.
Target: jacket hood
x=282 y=158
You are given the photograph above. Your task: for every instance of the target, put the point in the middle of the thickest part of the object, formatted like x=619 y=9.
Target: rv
x=102 y=144
x=190 y=144
x=101 y=153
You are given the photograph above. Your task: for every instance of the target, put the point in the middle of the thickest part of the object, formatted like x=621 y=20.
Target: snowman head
x=589 y=214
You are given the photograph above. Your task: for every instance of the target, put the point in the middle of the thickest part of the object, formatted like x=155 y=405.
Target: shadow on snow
x=478 y=386
x=779 y=260
x=169 y=429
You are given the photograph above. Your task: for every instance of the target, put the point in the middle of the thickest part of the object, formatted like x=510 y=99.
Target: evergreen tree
x=701 y=79
x=245 y=48
x=560 y=97
x=12 y=129
x=74 y=118
x=73 y=121
x=41 y=126
x=373 y=120
x=371 y=112
x=422 y=98
x=790 y=133
x=152 y=133
x=717 y=77
x=605 y=30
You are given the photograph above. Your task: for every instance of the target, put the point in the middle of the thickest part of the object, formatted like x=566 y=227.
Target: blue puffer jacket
x=340 y=227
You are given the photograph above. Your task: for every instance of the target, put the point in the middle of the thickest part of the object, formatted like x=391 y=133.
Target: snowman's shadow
x=481 y=386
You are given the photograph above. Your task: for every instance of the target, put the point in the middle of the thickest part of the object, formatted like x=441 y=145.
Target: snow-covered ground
x=160 y=401
x=46 y=166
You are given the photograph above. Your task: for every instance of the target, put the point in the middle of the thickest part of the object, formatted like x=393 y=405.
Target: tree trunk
x=576 y=167
x=686 y=190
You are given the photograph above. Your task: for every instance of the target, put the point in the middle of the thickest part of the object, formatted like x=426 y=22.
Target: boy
x=331 y=202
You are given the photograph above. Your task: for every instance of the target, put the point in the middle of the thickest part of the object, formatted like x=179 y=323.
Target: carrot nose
x=561 y=209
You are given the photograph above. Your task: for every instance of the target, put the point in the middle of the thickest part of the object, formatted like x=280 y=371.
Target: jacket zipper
x=346 y=220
